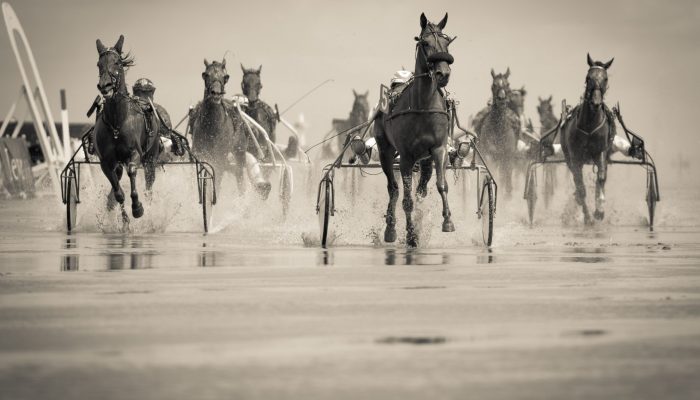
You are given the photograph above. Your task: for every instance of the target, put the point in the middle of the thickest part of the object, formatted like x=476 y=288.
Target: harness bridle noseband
x=440 y=55
x=604 y=119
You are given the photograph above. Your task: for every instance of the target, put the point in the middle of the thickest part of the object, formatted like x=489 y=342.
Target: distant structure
x=56 y=152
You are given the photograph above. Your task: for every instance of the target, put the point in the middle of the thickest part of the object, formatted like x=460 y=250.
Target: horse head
x=517 y=99
x=596 y=81
x=360 y=108
x=215 y=78
x=500 y=88
x=251 y=84
x=111 y=65
x=432 y=46
x=544 y=108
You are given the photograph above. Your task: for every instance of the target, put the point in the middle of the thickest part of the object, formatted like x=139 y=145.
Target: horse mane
x=126 y=60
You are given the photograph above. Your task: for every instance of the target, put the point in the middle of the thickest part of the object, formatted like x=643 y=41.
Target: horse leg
x=439 y=157
x=113 y=174
x=426 y=171
x=136 y=206
x=602 y=164
x=507 y=175
x=238 y=171
x=577 y=172
x=386 y=158
x=150 y=172
x=406 y=167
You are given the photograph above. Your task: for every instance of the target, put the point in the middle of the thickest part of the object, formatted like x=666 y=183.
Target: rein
x=441 y=55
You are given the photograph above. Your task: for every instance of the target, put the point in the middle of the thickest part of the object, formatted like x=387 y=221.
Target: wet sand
x=608 y=313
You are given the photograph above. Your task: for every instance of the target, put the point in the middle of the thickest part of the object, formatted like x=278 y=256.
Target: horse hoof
x=599 y=215
x=137 y=210
x=263 y=189
x=412 y=240
x=390 y=235
x=119 y=197
x=448 y=226
x=422 y=192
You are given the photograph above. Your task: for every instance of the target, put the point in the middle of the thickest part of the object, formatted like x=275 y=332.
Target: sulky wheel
x=286 y=190
x=207 y=202
x=531 y=194
x=71 y=202
x=651 y=197
x=488 y=210
x=325 y=204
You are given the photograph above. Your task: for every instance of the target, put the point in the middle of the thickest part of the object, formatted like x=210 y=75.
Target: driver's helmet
x=144 y=86
x=401 y=77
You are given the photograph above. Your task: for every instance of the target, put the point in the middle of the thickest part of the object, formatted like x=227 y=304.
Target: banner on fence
x=16 y=176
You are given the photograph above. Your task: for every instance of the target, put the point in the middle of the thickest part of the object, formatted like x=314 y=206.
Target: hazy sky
x=360 y=43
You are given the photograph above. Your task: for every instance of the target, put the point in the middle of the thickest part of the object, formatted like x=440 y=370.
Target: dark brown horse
x=122 y=135
x=586 y=137
x=417 y=128
x=358 y=115
x=258 y=109
x=499 y=129
x=546 y=112
x=216 y=127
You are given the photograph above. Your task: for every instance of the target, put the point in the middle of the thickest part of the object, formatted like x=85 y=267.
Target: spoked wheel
x=488 y=210
x=531 y=194
x=286 y=190
x=207 y=202
x=324 y=211
x=548 y=185
x=71 y=202
x=651 y=197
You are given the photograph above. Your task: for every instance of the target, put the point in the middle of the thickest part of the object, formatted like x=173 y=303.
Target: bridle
x=440 y=55
x=209 y=81
x=587 y=99
x=116 y=80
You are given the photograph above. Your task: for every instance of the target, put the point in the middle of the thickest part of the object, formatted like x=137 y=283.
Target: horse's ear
x=540 y=99
x=493 y=73
x=507 y=73
x=354 y=92
x=523 y=91
x=589 y=59
x=100 y=46
x=442 y=23
x=206 y=63
x=609 y=63
x=366 y=93
x=423 y=21
x=549 y=100
x=243 y=68
x=120 y=43
x=223 y=63
x=259 y=70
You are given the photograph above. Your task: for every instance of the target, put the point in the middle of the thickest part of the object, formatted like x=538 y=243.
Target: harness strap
x=394 y=115
x=603 y=122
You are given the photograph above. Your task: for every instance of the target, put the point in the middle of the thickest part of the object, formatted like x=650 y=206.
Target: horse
x=499 y=129
x=258 y=109
x=586 y=137
x=546 y=112
x=123 y=135
x=417 y=127
x=216 y=127
x=358 y=115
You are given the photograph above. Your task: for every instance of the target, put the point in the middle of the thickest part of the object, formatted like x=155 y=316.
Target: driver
x=143 y=90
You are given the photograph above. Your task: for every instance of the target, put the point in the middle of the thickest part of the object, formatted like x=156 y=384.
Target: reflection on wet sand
x=69 y=261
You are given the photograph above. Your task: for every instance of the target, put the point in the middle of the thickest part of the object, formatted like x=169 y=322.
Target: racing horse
x=546 y=112
x=258 y=109
x=499 y=129
x=358 y=115
x=123 y=136
x=216 y=127
x=586 y=137
x=417 y=128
